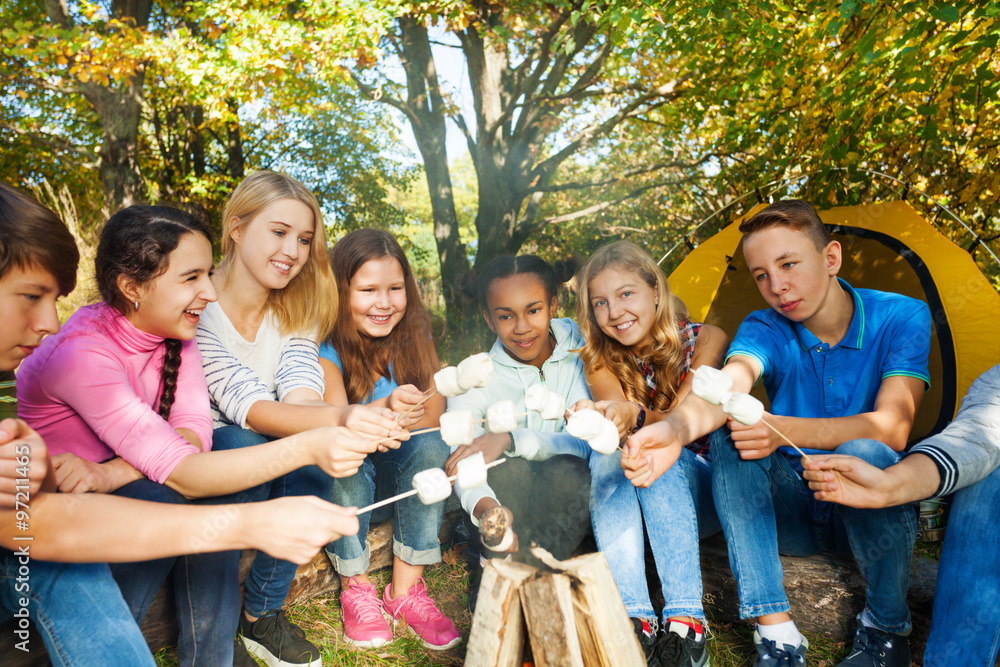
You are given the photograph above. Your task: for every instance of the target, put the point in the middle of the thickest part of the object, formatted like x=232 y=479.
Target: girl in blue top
x=380 y=352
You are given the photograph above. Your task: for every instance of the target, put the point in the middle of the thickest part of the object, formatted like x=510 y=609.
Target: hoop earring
x=136 y=304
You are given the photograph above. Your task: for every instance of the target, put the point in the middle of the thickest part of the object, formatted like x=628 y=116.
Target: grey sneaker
x=769 y=654
x=875 y=648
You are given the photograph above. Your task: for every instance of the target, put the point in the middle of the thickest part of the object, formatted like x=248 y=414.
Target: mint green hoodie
x=535 y=439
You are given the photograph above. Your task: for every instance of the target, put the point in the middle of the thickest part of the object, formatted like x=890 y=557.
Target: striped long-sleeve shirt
x=240 y=372
x=969 y=448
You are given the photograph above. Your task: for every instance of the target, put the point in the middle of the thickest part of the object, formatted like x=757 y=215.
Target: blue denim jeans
x=766 y=508
x=206 y=589
x=676 y=509
x=77 y=609
x=269 y=578
x=382 y=475
x=965 y=625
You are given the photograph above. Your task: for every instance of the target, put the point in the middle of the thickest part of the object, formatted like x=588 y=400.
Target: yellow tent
x=887 y=246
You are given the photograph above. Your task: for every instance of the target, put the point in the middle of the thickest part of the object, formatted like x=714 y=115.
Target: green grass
x=731 y=645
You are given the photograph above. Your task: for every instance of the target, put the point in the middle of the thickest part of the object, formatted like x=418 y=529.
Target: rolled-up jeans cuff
x=351 y=567
x=680 y=608
x=411 y=556
x=764 y=609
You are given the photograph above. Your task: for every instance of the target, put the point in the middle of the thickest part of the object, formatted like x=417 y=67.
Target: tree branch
x=603 y=206
x=52 y=141
x=378 y=96
x=667 y=92
x=563 y=187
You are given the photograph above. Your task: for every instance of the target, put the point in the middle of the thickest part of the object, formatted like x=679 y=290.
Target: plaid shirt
x=689 y=337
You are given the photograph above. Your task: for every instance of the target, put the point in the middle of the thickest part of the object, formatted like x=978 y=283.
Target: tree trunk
x=426 y=109
x=234 y=144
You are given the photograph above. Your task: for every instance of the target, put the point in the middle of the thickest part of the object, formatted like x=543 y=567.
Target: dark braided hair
x=136 y=242
x=552 y=276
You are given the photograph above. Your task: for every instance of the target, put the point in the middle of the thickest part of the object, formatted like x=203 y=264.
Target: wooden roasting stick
x=389 y=501
x=429 y=429
x=785 y=438
x=427 y=396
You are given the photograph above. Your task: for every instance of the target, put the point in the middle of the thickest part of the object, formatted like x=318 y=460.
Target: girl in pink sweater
x=121 y=392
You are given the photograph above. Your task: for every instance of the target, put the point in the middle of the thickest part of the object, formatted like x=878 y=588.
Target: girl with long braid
x=120 y=396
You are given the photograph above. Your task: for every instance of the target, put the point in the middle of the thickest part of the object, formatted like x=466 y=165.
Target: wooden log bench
x=825 y=593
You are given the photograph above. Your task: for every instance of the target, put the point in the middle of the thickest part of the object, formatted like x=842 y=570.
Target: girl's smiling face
x=377 y=297
x=518 y=312
x=274 y=246
x=170 y=305
x=624 y=306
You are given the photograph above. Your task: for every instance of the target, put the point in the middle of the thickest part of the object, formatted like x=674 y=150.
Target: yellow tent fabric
x=887 y=246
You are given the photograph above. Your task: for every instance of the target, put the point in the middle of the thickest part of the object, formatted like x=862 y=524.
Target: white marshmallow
x=744 y=408
x=606 y=442
x=555 y=406
x=457 y=428
x=471 y=471
x=500 y=417
x=585 y=424
x=446 y=381
x=534 y=397
x=711 y=384
x=475 y=371
x=432 y=485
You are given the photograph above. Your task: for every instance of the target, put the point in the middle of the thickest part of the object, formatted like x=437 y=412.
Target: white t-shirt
x=240 y=372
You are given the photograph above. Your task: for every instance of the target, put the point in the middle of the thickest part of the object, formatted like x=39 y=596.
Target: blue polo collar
x=855 y=333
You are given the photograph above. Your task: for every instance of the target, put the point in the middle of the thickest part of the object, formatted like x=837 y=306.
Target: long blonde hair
x=602 y=351
x=309 y=301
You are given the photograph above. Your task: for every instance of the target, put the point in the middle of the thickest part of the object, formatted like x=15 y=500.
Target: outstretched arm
x=84 y=528
x=847 y=480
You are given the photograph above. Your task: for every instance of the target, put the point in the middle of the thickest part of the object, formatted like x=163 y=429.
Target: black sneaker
x=240 y=656
x=674 y=650
x=875 y=648
x=769 y=654
x=646 y=634
x=278 y=642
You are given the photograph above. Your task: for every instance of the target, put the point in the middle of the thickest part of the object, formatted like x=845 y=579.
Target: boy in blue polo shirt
x=845 y=370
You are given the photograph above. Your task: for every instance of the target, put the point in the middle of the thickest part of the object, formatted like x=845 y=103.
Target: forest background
x=474 y=129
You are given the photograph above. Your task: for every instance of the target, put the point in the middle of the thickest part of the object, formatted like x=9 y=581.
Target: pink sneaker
x=419 y=612
x=364 y=619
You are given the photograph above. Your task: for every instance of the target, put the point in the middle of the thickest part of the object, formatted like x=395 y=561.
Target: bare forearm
x=828 y=434
x=217 y=473
x=277 y=419
x=84 y=528
x=914 y=478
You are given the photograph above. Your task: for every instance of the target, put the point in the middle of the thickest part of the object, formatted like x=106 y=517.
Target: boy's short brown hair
x=32 y=235
x=792 y=213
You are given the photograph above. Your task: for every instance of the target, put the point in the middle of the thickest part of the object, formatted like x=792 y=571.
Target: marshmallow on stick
x=549 y=404
x=446 y=381
x=599 y=431
x=712 y=385
x=458 y=428
x=428 y=485
x=501 y=418
x=475 y=371
x=432 y=485
x=746 y=409
x=471 y=471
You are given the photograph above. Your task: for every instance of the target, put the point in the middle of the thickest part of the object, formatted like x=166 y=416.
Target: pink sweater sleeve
x=191 y=408
x=95 y=383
